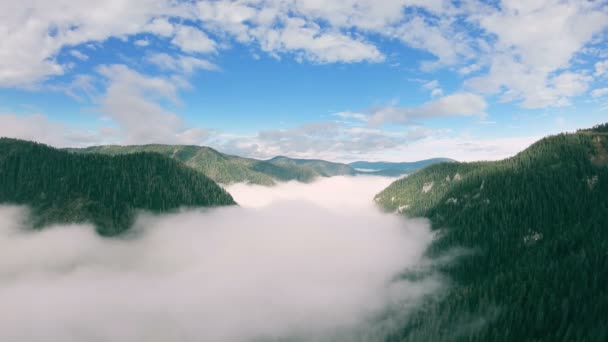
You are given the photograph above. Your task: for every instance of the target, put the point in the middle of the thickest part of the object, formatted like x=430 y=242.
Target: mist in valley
x=296 y=261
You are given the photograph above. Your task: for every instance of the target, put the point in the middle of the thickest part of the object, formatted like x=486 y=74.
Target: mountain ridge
x=229 y=169
x=64 y=187
x=535 y=224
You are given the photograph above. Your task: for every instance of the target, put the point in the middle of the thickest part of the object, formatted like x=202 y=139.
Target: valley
x=436 y=251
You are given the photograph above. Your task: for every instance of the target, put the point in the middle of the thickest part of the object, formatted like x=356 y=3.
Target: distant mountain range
x=106 y=185
x=63 y=187
x=228 y=169
x=394 y=169
x=533 y=232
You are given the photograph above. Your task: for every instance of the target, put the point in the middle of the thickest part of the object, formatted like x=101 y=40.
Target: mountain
x=394 y=169
x=317 y=167
x=532 y=232
x=64 y=187
x=228 y=169
x=220 y=167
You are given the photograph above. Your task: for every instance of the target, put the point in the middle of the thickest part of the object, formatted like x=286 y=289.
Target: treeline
x=601 y=128
x=62 y=187
x=228 y=169
x=535 y=231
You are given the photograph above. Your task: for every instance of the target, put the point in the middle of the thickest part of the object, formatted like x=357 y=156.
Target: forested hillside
x=534 y=229
x=63 y=187
x=317 y=167
x=228 y=169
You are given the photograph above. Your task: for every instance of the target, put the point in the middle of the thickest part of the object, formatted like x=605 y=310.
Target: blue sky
x=355 y=79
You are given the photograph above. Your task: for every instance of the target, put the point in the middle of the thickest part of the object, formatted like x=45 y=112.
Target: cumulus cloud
x=33 y=35
x=191 y=39
x=134 y=102
x=599 y=92
x=439 y=38
x=181 y=64
x=332 y=140
x=458 y=104
x=434 y=87
x=142 y=42
x=502 y=44
x=309 y=42
x=38 y=127
x=289 y=263
x=533 y=87
x=535 y=43
x=81 y=56
x=601 y=68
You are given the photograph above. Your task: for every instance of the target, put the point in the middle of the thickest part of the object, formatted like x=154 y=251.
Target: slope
x=317 y=167
x=222 y=168
x=535 y=230
x=228 y=169
x=63 y=187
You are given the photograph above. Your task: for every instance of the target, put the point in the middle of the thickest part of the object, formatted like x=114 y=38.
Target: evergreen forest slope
x=63 y=187
x=228 y=169
x=535 y=228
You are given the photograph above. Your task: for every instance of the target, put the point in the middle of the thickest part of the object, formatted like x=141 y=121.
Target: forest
x=63 y=187
x=228 y=169
x=527 y=240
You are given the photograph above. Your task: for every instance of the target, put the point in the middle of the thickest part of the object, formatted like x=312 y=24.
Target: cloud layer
x=128 y=62
x=520 y=50
x=304 y=261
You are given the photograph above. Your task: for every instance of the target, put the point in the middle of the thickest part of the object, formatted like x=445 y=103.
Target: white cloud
x=469 y=69
x=458 y=104
x=181 y=64
x=37 y=127
x=132 y=100
x=81 y=56
x=280 y=267
x=600 y=92
x=316 y=31
x=142 y=42
x=601 y=68
x=31 y=36
x=329 y=140
x=534 y=41
x=309 y=42
x=548 y=33
x=434 y=87
x=439 y=39
x=81 y=87
x=160 y=26
x=191 y=39
x=351 y=115
x=534 y=88
x=290 y=27
x=456 y=147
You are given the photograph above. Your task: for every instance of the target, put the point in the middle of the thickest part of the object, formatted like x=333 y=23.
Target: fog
x=295 y=261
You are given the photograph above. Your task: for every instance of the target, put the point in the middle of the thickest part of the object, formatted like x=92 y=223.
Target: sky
x=395 y=80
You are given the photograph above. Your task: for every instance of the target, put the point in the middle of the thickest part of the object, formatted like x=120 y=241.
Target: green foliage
x=62 y=187
x=228 y=169
x=601 y=128
x=222 y=168
x=536 y=227
x=314 y=166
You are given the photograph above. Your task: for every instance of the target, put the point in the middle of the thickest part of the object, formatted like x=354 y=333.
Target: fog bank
x=303 y=261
